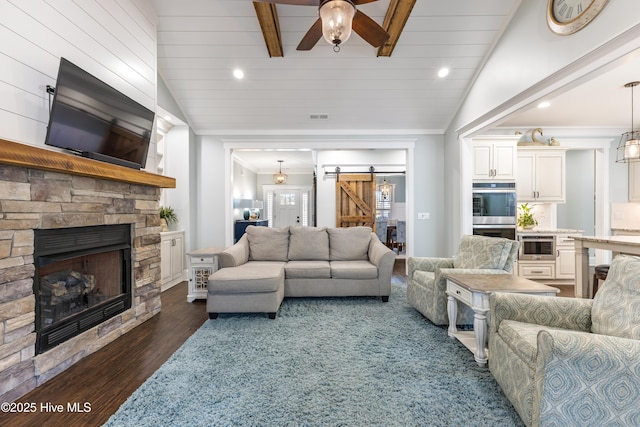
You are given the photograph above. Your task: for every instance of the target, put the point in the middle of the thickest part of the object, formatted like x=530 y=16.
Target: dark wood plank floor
x=109 y=376
x=106 y=378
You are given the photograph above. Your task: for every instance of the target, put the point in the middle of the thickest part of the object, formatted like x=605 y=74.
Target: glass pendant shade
x=280 y=178
x=629 y=145
x=337 y=16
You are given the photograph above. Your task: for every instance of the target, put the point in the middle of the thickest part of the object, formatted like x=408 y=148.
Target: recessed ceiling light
x=238 y=73
x=544 y=104
x=167 y=118
x=443 y=72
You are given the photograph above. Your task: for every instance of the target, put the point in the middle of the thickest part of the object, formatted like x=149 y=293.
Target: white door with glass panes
x=287 y=206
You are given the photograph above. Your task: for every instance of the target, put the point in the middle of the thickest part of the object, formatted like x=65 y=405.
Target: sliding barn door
x=355 y=200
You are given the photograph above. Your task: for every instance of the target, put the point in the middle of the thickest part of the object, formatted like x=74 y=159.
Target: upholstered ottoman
x=254 y=287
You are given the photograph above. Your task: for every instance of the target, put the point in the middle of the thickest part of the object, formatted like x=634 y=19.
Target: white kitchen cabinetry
x=562 y=270
x=494 y=159
x=541 y=175
x=171 y=258
x=566 y=260
x=537 y=269
x=634 y=181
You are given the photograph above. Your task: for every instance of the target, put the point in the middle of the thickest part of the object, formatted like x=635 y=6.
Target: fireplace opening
x=83 y=278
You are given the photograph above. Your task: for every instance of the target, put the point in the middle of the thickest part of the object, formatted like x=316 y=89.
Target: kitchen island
x=615 y=244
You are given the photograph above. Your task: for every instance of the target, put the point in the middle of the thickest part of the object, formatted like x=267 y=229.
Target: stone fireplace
x=43 y=191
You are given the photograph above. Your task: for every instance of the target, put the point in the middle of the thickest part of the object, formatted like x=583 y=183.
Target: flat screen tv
x=92 y=119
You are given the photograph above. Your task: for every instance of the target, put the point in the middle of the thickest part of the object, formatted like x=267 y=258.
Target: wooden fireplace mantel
x=16 y=154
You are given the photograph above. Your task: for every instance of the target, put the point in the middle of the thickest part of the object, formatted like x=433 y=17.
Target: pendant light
x=280 y=178
x=629 y=145
x=385 y=190
x=337 y=17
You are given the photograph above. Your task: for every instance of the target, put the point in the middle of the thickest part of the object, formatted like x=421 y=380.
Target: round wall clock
x=565 y=17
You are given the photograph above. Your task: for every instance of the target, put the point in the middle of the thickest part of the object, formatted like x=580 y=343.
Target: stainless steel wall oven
x=494 y=209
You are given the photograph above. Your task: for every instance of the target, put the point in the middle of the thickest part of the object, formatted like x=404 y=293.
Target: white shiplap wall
x=115 y=40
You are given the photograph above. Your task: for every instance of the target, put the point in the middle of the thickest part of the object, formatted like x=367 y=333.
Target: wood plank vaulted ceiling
x=360 y=90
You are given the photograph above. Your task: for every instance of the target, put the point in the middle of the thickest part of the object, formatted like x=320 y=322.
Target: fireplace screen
x=83 y=278
x=71 y=286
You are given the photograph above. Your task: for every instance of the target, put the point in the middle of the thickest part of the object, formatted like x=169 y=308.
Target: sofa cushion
x=482 y=252
x=308 y=243
x=268 y=244
x=351 y=243
x=616 y=306
x=254 y=276
x=353 y=270
x=307 y=270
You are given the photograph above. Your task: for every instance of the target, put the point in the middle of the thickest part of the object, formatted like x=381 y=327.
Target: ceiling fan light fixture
x=280 y=178
x=337 y=17
x=629 y=145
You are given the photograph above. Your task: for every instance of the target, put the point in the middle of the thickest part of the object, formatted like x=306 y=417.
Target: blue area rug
x=322 y=362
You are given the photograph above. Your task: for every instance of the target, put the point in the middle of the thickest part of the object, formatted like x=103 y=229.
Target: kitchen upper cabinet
x=634 y=181
x=541 y=175
x=494 y=159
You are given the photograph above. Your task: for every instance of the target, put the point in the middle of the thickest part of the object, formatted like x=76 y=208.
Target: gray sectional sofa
x=268 y=264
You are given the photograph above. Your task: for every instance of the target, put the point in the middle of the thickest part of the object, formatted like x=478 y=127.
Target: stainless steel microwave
x=537 y=248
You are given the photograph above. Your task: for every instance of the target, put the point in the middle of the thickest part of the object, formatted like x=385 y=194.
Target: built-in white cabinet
x=566 y=260
x=562 y=270
x=537 y=269
x=171 y=258
x=634 y=181
x=494 y=159
x=541 y=175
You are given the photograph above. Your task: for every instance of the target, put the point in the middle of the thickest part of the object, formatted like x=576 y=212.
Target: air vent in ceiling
x=319 y=116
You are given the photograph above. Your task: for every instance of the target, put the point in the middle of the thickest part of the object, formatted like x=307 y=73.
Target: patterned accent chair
x=426 y=283
x=568 y=361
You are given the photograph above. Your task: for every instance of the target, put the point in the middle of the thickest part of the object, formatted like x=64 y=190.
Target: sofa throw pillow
x=616 y=306
x=351 y=243
x=482 y=252
x=308 y=244
x=267 y=243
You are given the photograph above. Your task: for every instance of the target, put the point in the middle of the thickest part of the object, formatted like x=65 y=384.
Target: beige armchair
x=426 y=284
x=571 y=361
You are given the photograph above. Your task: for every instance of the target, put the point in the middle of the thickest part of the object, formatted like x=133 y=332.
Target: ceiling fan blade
x=357 y=2
x=369 y=30
x=311 y=38
x=295 y=2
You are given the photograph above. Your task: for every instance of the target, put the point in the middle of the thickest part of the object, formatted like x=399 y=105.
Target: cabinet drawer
x=201 y=260
x=565 y=241
x=541 y=271
x=461 y=293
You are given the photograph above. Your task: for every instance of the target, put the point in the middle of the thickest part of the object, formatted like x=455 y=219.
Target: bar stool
x=600 y=273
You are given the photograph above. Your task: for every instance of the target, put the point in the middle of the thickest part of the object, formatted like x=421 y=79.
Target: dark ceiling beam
x=394 y=21
x=268 y=18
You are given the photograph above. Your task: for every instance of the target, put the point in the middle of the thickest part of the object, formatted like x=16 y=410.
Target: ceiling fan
x=337 y=19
